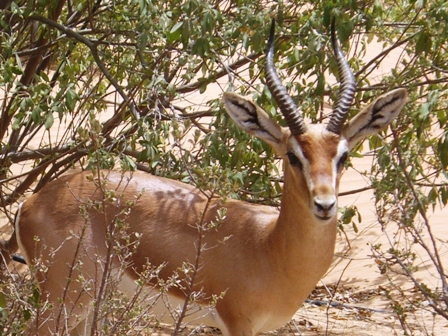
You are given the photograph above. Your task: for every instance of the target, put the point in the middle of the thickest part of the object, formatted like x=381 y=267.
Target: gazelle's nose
x=324 y=207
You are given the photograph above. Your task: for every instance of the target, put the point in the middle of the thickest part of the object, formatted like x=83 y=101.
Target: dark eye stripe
x=342 y=159
x=294 y=160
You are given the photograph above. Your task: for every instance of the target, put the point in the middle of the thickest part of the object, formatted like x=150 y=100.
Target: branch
x=381 y=55
x=32 y=175
x=434 y=255
x=195 y=86
x=354 y=191
x=28 y=154
x=93 y=48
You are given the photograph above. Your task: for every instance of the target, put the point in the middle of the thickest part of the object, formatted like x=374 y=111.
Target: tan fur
x=250 y=244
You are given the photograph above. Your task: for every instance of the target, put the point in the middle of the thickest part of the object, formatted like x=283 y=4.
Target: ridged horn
x=283 y=99
x=346 y=89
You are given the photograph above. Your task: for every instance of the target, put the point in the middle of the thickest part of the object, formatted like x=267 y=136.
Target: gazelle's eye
x=294 y=160
x=342 y=160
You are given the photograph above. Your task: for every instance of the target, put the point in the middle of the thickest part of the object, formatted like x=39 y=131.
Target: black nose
x=323 y=206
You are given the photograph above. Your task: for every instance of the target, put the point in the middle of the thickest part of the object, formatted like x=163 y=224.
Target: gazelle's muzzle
x=323 y=201
x=324 y=207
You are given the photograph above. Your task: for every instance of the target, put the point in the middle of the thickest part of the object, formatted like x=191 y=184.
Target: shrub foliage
x=136 y=84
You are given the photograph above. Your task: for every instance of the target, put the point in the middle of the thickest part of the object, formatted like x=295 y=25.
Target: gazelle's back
x=163 y=211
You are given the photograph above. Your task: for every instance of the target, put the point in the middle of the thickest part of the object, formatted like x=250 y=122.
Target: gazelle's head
x=314 y=153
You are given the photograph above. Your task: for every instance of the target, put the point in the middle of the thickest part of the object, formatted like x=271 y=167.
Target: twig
x=196 y=266
x=434 y=255
x=332 y=296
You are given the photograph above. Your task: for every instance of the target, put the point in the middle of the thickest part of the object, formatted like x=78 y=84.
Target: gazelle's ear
x=252 y=119
x=375 y=117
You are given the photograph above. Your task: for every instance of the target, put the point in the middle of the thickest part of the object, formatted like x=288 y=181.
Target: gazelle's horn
x=346 y=89
x=283 y=99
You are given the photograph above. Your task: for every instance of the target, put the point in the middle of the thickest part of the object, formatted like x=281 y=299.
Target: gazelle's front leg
x=240 y=325
x=239 y=330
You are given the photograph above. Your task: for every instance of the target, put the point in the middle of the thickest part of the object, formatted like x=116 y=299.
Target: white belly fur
x=168 y=307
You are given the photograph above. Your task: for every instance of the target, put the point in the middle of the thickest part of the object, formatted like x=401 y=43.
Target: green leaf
x=203 y=87
x=185 y=38
x=246 y=41
x=375 y=142
x=25 y=103
x=442 y=147
x=328 y=14
x=320 y=85
x=208 y=21
x=143 y=156
x=16 y=9
x=345 y=30
x=44 y=76
x=19 y=65
x=16 y=70
x=142 y=41
x=258 y=41
x=35 y=297
x=26 y=314
x=384 y=160
x=444 y=195
x=201 y=47
x=347 y=215
x=442 y=116
x=2 y=301
x=175 y=33
x=49 y=121
x=17 y=122
x=36 y=114
x=424 y=42
x=128 y=164
x=433 y=195
x=423 y=111
x=70 y=99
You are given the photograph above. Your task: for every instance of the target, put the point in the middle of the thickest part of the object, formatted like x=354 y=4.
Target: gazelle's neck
x=300 y=233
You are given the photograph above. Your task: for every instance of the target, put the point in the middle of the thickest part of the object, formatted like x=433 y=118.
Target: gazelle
x=265 y=261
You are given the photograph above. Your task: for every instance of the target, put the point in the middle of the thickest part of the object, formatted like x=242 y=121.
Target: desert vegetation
x=137 y=85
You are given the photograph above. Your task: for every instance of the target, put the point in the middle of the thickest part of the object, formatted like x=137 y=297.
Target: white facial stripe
x=297 y=150
x=342 y=148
